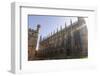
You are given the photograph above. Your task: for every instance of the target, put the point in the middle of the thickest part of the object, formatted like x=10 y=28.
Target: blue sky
x=49 y=23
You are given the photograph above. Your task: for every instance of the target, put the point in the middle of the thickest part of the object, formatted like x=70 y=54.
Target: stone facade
x=69 y=42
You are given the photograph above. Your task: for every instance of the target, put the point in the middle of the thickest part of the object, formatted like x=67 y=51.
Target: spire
x=57 y=29
x=60 y=27
x=65 y=25
x=51 y=33
x=70 y=21
x=71 y=26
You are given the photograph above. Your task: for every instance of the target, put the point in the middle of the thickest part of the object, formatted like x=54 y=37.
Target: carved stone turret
x=38 y=27
x=81 y=20
x=71 y=22
x=65 y=25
